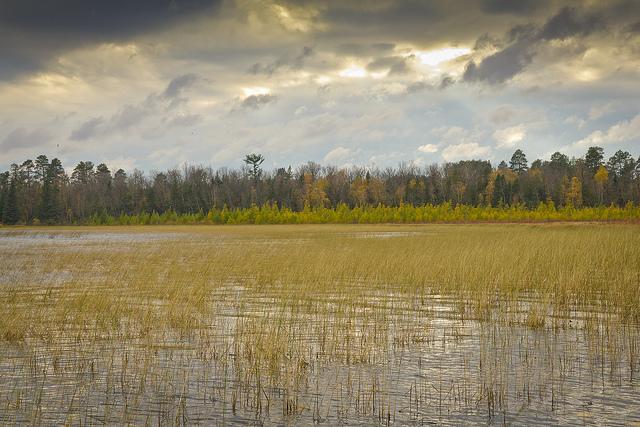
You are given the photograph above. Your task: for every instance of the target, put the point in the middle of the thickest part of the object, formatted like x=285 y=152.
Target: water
x=258 y=355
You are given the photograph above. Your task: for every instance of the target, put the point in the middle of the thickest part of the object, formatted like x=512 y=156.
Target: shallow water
x=262 y=356
x=21 y=238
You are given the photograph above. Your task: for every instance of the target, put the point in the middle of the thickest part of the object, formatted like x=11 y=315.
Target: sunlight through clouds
x=353 y=72
x=438 y=56
x=255 y=91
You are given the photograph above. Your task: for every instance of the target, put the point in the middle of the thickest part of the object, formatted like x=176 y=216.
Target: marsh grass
x=304 y=324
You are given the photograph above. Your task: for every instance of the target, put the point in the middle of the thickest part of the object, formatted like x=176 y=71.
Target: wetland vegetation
x=357 y=324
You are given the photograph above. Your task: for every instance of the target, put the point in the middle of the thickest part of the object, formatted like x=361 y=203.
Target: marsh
x=303 y=324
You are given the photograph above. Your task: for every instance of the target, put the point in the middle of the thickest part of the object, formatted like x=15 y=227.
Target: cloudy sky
x=155 y=83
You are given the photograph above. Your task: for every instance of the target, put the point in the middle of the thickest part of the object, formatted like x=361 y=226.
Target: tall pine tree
x=50 y=210
x=10 y=212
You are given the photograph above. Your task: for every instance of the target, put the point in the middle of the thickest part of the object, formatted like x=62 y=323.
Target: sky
x=154 y=84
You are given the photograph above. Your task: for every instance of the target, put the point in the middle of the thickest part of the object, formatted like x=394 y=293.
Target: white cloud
x=509 y=137
x=620 y=132
x=428 y=148
x=461 y=143
x=125 y=163
x=337 y=154
x=465 y=151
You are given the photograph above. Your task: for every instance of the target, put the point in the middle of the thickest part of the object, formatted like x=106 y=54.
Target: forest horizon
x=42 y=191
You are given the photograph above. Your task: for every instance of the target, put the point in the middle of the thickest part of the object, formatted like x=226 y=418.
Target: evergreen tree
x=621 y=166
x=559 y=161
x=50 y=209
x=254 y=160
x=621 y=163
x=518 y=162
x=4 y=189
x=42 y=165
x=10 y=212
x=594 y=159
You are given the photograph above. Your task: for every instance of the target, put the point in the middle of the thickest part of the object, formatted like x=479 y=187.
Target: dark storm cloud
x=95 y=18
x=285 y=62
x=33 y=31
x=521 y=32
x=511 y=6
x=501 y=66
x=14 y=63
x=568 y=23
x=524 y=41
x=400 y=14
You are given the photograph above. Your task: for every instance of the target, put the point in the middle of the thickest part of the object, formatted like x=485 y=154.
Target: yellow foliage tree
x=314 y=192
x=601 y=177
x=573 y=196
x=358 y=191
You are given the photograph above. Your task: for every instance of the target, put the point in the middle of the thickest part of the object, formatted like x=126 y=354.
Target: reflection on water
x=384 y=358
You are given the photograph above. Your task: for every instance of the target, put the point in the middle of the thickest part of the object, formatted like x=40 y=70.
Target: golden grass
x=265 y=320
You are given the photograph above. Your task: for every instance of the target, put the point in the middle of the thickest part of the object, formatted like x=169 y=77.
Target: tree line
x=41 y=191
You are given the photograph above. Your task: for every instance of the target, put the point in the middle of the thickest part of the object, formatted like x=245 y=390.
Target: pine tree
x=594 y=158
x=518 y=162
x=4 y=189
x=254 y=161
x=10 y=212
x=50 y=209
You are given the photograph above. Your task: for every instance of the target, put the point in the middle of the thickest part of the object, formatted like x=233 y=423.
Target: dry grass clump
x=183 y=325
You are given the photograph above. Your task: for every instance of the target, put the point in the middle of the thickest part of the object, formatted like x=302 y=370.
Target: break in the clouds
x=151 y=84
